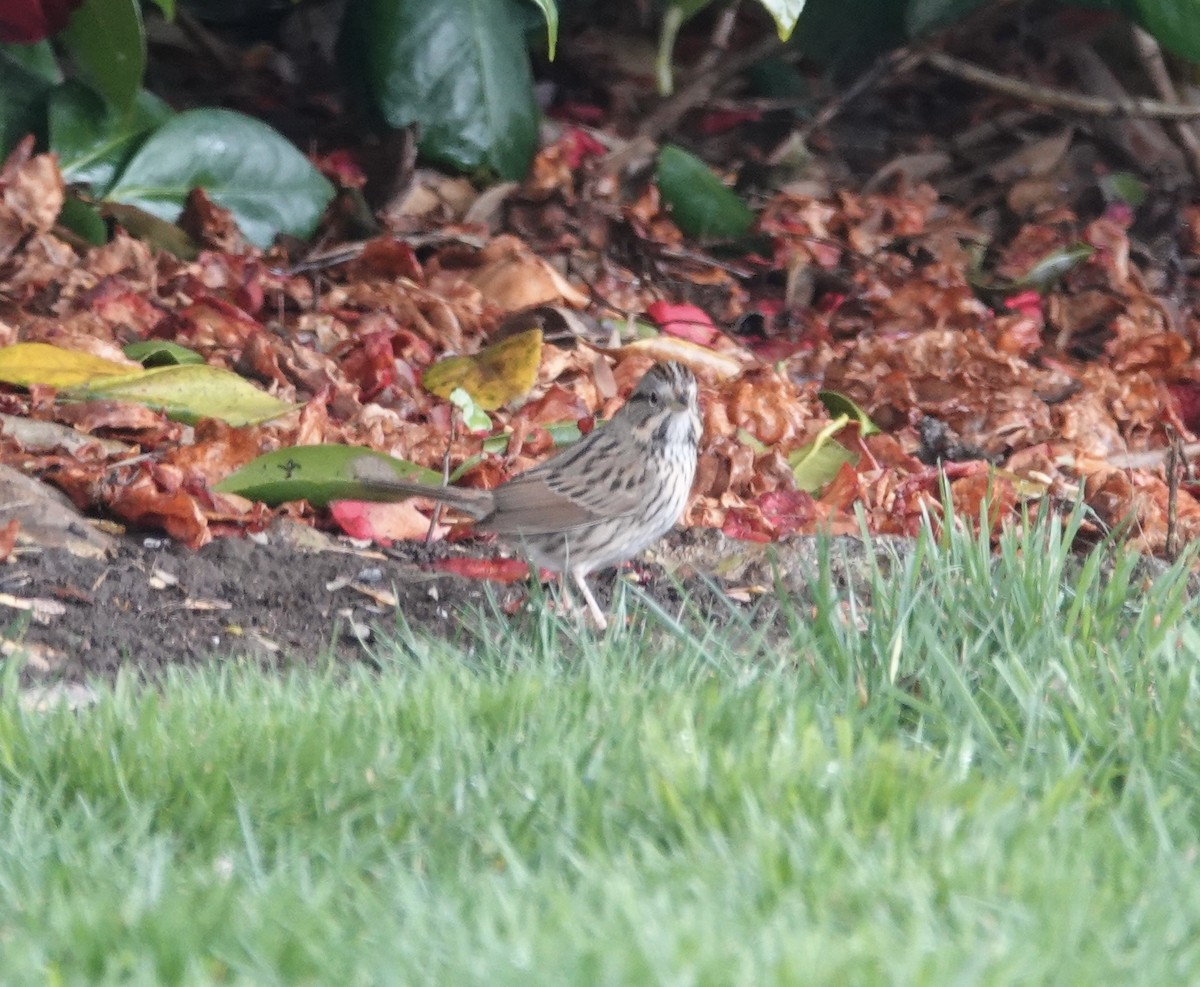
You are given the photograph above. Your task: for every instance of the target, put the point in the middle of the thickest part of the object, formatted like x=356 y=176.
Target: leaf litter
x=1018 y=365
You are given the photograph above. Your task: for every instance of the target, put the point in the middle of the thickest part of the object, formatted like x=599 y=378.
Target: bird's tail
x=369 y=485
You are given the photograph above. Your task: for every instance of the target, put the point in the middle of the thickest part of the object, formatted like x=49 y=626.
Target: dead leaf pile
x=1016 y=376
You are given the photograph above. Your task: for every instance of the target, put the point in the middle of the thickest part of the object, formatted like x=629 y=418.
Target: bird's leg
x=559 y=598
x=593 y=607
x=566 y=602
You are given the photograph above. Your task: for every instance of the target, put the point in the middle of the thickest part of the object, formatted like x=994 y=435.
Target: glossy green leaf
x=700 y=204
x=319 y=474
x=188 y=394
x=36 y=59
x=26 y=81
x=161 y=353
x=108 y=46
x=456 y=68
x=244 y=165
x=1175 y=24
x=92 y=140
x=84 y=220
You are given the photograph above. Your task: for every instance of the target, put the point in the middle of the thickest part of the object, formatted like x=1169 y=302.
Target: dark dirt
x=297 y=596
x=153 y=604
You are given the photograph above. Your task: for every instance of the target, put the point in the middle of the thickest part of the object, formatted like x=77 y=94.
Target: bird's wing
x=563 y=494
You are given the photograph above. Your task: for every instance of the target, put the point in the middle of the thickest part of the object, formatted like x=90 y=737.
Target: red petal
x=685 y=321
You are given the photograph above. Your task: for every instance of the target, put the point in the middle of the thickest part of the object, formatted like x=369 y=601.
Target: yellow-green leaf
x=156 y=232
x=319 y=474
x=189 y=393
x=474 y=417
x=747 y=439
x=839 y=405
x=26 y=364
x=817 y=462
x=495 y=376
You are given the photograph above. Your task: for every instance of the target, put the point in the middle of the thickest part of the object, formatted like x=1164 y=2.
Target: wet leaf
x=493 y=377
x=787 y=511
x=923 y=16
x=318 y=474
x=1172 y=22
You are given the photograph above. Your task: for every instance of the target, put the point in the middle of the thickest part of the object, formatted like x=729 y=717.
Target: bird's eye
x=654 y=397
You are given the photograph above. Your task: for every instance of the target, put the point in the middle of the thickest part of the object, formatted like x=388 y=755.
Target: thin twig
x=893 y=63
x=1175 y=461
x=718 y=39
x=1155 y=66
x=438 y=505
x=207 y=42
x=131 y=461
x=1060 y=99
x=700 y=257
x=701 y=88
x=1151 y=458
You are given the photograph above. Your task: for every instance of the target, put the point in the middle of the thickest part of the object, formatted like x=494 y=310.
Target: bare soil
x=152 y=603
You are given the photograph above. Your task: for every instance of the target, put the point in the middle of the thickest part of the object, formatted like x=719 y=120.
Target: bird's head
x=664 y=404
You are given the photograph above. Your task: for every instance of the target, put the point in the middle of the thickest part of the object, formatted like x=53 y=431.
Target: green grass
x=989 y=775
